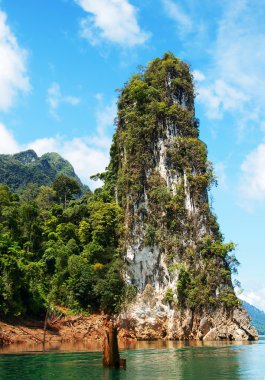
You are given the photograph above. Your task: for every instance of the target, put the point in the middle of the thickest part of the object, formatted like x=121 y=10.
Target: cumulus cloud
x=85 y=158
x=55 y=98
x=176 y=13
x=221 y=97
x=252 y=182
x=235 y=76
x=198 y=76
x=13 y=72
x=8 y=144
x=113 y=21
x=238 y=55
x=88 y=154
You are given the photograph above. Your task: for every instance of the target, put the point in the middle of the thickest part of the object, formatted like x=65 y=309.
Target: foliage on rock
x=168 y=208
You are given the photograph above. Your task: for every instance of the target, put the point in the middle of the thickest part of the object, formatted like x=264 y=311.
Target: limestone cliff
x=174 y=253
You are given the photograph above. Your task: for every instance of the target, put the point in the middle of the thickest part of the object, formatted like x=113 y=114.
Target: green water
x=172 y=362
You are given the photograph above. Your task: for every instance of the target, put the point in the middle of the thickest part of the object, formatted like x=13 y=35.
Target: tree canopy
x=51 y=254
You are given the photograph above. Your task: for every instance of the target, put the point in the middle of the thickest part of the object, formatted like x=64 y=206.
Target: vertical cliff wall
x=173 y=250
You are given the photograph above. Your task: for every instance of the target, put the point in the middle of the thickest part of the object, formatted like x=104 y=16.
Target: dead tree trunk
x=45 y=327
x=111 y=357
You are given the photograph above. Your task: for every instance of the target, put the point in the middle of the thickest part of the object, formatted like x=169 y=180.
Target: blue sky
x=61 y=62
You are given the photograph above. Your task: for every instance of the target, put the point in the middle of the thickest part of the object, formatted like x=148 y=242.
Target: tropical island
x=145 y=248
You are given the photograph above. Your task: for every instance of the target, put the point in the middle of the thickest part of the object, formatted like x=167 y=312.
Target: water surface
x=145 y=360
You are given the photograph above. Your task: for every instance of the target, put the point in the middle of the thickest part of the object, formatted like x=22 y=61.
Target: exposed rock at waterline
x=143 y=321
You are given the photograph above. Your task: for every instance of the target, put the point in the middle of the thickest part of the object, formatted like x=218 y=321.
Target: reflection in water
x=145 y=360
x=95 y=346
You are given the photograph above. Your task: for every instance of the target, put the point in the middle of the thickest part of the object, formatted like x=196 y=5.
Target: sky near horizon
x=61 y=62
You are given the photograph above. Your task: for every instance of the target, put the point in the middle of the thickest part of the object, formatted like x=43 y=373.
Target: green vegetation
x=58 y=249
x=66 y=188
x=20 y=169
x=52 y=252
x=155 y=109
x=169 y=295
x=257 y=317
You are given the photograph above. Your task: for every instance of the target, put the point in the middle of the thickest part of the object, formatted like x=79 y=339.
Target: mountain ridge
x=257 y=316
x=19 y=169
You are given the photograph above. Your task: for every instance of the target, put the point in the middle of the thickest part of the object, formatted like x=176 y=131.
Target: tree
x=66 y=188
x=45 y=197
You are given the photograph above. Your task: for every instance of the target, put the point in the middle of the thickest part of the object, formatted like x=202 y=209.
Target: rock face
x=144 y=321
x=175 y=257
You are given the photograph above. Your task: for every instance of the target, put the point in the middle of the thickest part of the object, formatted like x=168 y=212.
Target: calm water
x=146 y=361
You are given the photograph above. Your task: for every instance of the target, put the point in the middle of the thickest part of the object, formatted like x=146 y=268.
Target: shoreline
x=79 y=331
x=62 y=330
x=91 y=346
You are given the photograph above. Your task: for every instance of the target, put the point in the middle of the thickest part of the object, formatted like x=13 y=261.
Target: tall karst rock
x=173 y=250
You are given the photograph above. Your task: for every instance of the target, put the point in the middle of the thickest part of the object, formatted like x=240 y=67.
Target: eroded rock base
x=163 y=322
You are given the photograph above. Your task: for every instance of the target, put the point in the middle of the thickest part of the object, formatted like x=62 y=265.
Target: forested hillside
x=257 y=316
x=58 y=251
x=19 y=169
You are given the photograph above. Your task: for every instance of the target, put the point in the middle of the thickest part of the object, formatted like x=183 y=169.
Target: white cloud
x=238 y=55
x=113 y=21
x=46 y=144
x=13 y=76
x=235 y=75
x=175 y=12
x=55 y=98
x=72 y=100
x=221 y=97
x=256 y=298
x=252 y=182
x=88 y=154
x=85 y=158
x=8 y=144
x=105 y=116
x=198 y=76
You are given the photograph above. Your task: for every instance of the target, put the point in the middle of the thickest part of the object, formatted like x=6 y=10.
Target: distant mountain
x=257 y=316
x=17 y=170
